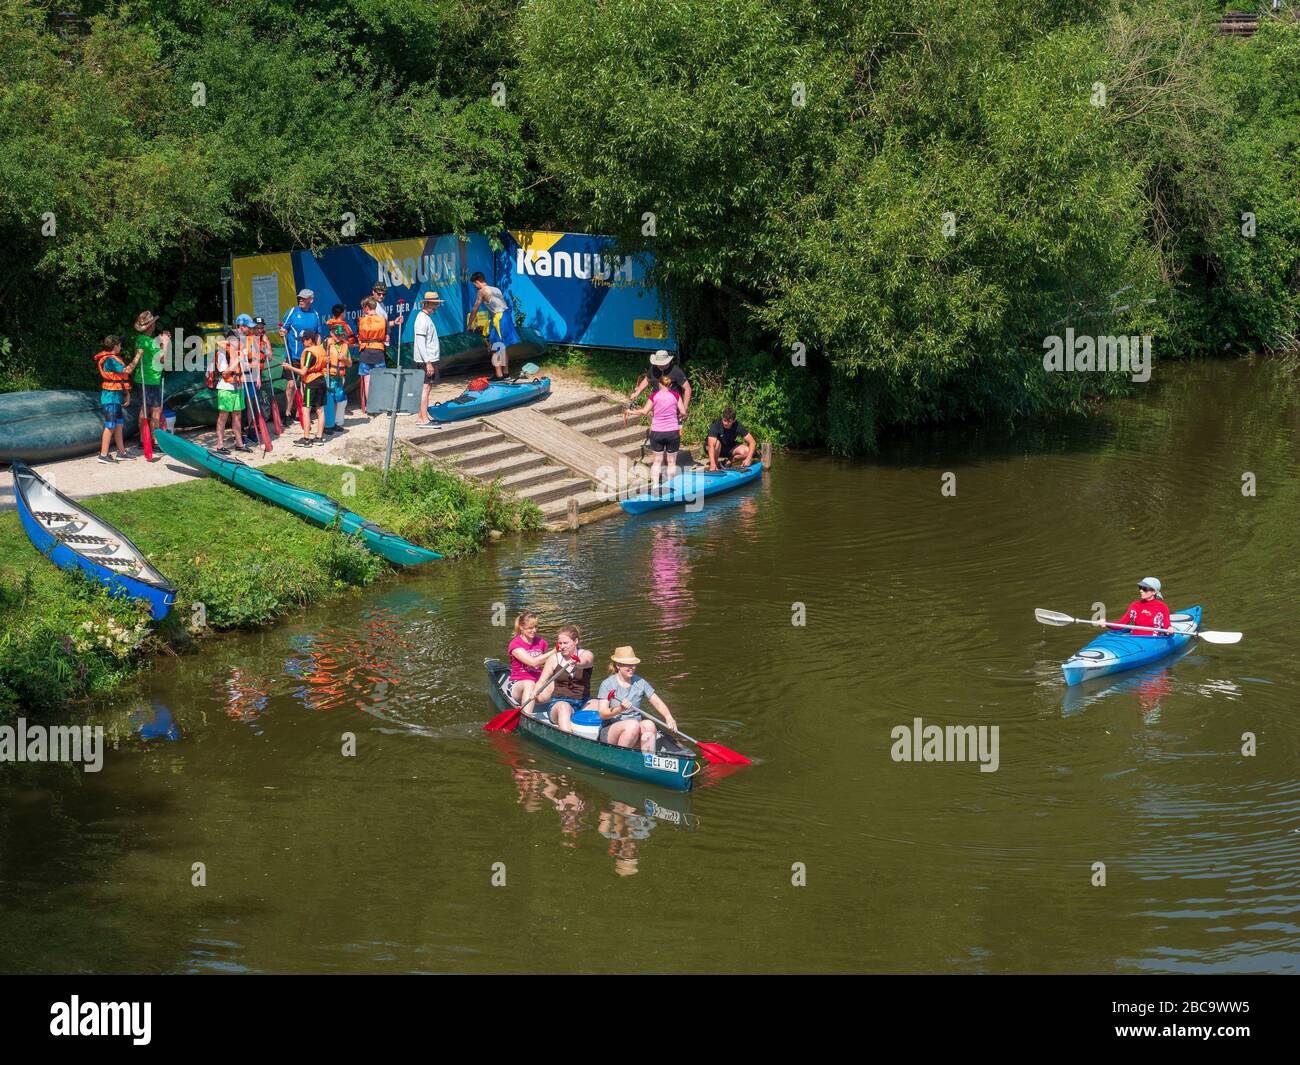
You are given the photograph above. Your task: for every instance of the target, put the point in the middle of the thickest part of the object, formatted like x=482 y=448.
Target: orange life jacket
x=259 y=353
x=372 y=329
x=337 y=359
x=232 y=374
x=113 y=380
x=332 y=323
x=313 y=363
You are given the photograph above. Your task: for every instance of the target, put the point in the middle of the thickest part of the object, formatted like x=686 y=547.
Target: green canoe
x=53 y=424
x=314 y=506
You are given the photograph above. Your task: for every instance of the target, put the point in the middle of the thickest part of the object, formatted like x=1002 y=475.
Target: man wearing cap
x=297 y=320
x=427 y=352
x=151 y=351
x=661 y=364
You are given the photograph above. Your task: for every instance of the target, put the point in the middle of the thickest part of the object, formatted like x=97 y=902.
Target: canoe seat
x=82 y=538
x=48 y=516
x=119 y=563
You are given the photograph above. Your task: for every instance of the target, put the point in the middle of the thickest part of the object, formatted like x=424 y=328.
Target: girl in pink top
x=666 y=409
x=527 y=656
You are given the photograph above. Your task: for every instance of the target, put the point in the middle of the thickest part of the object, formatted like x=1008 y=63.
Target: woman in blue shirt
x=619 y=704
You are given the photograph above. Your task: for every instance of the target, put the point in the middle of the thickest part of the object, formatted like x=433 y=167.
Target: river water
x=914 y=603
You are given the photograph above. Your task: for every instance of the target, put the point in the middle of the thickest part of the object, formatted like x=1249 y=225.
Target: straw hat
x=660 y=358
x=144 y=320
x=431 y=297
x=624 y=656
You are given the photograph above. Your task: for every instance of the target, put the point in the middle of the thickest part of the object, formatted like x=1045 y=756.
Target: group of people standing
x=319 y=351
x=553 y=683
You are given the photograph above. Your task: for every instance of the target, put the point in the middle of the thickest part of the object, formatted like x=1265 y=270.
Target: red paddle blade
x=716 y=754
x=266 y=437
x=503 y=722
x=275 y=415
x=146 y=438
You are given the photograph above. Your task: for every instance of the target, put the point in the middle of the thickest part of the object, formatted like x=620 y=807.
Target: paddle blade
x=261 y=431
x=1052 y=617
x=275 y=414
x=146 y=439
x=506 y=721
x=528 y=369
x=716 y=754
x=1210 y=636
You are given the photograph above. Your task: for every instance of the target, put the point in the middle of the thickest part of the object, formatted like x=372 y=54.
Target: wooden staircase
x=493 y=448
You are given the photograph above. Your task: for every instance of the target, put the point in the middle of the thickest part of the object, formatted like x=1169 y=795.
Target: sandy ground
x=84 y=477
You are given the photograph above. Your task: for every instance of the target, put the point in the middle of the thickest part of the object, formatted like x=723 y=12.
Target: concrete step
x=588 y=419
x=510 y=465
x=619 y=438
x=555 y=490
x=452 y=446
x=538 y=474
x=483 y=458
x=458 y=430
x=556 y=511
x=567 y=401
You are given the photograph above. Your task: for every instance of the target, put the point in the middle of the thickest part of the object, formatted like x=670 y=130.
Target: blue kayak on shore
x=691 y=486
x=73 y=538
x=499 y=395
x=1117 y=650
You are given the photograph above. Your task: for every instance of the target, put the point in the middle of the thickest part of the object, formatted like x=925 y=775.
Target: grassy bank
x=236 y=561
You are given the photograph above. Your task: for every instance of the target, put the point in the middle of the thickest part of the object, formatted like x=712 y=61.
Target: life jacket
x=232 y=373
x=337 y=359
x=477 y=385
x=313 y=362
x=332 y=323
x=372 y=331
x=259 y=353
x=113 y=380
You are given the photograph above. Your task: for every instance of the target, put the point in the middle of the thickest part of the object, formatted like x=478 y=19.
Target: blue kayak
x=499 y=395
x=72 y=538
x=1117 y=650
x=688 y=487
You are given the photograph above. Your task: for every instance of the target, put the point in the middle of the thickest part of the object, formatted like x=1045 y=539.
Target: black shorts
x=669 y=442
x=431 y=371
x=313 y=396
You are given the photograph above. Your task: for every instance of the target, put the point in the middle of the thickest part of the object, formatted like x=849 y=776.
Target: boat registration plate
x=658 y=761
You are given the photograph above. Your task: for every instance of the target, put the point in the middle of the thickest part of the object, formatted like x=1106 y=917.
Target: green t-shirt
x=149 y=372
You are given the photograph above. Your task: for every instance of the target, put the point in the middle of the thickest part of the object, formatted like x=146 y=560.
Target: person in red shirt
x=1149 y=610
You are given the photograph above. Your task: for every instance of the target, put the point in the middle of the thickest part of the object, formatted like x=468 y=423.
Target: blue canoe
x=688 y=487
x=74 y=539
x=1117 y=650
x=498 y=395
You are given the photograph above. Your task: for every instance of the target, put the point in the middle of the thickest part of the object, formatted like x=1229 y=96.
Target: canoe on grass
x=690 y=486
x=314 y=506
x=53 y=424
x=671 y=766
x=72 y=538
x=499 y=395
x=1116 y=650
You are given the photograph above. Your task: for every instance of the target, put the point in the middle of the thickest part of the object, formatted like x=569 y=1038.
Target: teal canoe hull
x=688 y=488
x=54 y=424
x=1116 y=651
x=672 y=766
x=499 y=395
x=316 y=507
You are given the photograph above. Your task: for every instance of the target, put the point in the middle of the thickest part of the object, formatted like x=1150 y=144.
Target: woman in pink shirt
x=666 y=410
x=527 y=657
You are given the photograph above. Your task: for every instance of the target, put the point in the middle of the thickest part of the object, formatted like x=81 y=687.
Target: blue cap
x=244 y=319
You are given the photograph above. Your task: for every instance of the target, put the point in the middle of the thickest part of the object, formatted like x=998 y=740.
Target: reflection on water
x=623 y=813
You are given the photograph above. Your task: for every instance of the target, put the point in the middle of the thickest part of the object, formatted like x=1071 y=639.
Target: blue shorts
x=364 y=368
x=112 y=414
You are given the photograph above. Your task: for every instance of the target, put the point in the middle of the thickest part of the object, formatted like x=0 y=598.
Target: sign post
x=395 y=392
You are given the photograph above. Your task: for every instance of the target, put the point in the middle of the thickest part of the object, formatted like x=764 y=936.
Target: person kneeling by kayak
x=730 y=442
x=1148 y=611
x=571 y=667
x=619 y=704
